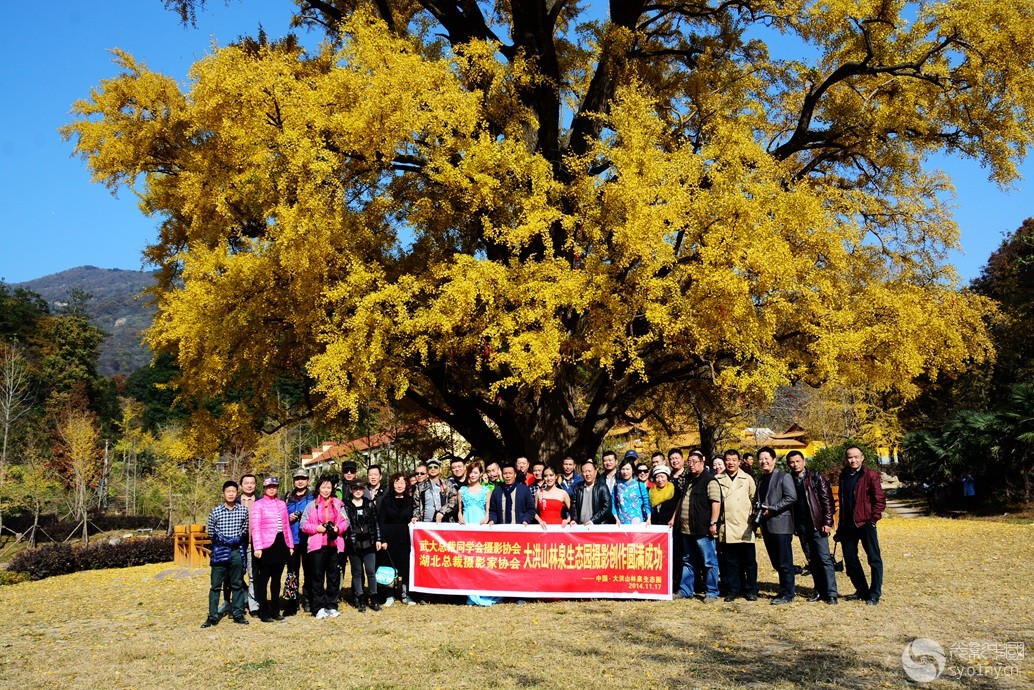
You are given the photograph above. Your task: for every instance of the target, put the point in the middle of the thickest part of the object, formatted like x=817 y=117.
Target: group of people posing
x=715 y=513
x=312 y=535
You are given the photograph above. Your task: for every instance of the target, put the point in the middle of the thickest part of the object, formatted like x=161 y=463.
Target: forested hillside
x=117 y=307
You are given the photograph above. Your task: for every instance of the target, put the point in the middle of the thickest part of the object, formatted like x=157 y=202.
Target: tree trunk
x=3 y=476
x=708 y=439
x=35 y=526
x=549 y=428
x=168 y=529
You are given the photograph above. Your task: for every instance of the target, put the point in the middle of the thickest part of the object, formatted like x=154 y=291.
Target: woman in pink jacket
x=325 y=522
x=272 y=544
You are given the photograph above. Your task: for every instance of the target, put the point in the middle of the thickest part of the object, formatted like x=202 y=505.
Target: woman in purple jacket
x=272 y=544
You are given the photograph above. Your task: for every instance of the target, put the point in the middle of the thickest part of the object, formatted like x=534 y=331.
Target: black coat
x=396 y=514
x=364 y=526
x=603 y=513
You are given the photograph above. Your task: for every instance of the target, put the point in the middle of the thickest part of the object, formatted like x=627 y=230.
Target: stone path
x=909 y=508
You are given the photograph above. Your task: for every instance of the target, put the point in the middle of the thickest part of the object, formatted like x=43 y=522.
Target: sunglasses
x=420 y=474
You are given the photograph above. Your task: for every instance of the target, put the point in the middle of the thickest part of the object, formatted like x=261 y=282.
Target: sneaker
x=710 y=599
x=240 y=620
x=333 y=613
x=389 y=601
x=781 y=600
x=872 y=601
x=322 y=613
x=408 y=602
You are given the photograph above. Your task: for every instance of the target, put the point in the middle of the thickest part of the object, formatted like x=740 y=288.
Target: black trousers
x=780 y=553
x=269 y=571
x=815 y=545
x=849 y=539
x=325 y=569
x=738 y=564
x=358 y=562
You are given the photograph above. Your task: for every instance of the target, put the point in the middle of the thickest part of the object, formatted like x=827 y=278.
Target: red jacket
x=869 y=501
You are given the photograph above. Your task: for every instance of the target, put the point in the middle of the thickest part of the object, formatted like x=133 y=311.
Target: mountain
x=118 y=307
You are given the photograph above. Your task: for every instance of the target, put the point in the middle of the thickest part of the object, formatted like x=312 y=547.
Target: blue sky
x=54 y=52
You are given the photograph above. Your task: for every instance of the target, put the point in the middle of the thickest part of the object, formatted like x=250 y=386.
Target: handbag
x=388 y=576
x=290 y=587
x=385 y=575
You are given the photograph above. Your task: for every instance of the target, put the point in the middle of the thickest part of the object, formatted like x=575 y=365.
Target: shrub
x=46 y=561
x=61 y=559
x=829 y=460
x=125 y=554
x=8 y=577
x=51 y=529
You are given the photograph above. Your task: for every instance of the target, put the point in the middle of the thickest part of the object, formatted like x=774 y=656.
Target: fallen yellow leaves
x=141 y=631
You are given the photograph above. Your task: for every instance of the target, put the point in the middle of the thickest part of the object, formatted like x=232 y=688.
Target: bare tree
x=236 y=461
x=15 y=401
x=133 y=440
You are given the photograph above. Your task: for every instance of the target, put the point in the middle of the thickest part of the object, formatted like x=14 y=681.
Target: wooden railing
x=193 y=547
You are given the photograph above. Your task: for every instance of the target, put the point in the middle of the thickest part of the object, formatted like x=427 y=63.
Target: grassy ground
x=953 y=581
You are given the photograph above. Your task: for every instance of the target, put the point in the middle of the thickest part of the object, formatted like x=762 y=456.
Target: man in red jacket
x=861 y=506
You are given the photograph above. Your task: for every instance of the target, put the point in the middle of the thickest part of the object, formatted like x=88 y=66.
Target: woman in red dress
x=552 y=504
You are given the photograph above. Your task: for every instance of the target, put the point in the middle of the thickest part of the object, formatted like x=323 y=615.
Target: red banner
x=605 y=561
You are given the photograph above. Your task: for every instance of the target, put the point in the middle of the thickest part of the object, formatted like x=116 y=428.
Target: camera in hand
x=331 y=531
x=758 y=515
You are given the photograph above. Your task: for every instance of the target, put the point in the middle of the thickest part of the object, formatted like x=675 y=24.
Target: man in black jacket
x=813 y=518
x=696 y=526
x=590 y=503
x=511 y=503
x=778 y=495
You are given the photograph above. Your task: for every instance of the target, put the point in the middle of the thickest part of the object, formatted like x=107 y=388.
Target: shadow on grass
x=704 y=655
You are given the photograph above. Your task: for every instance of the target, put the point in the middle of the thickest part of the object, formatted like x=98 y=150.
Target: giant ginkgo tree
x=523 y=216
